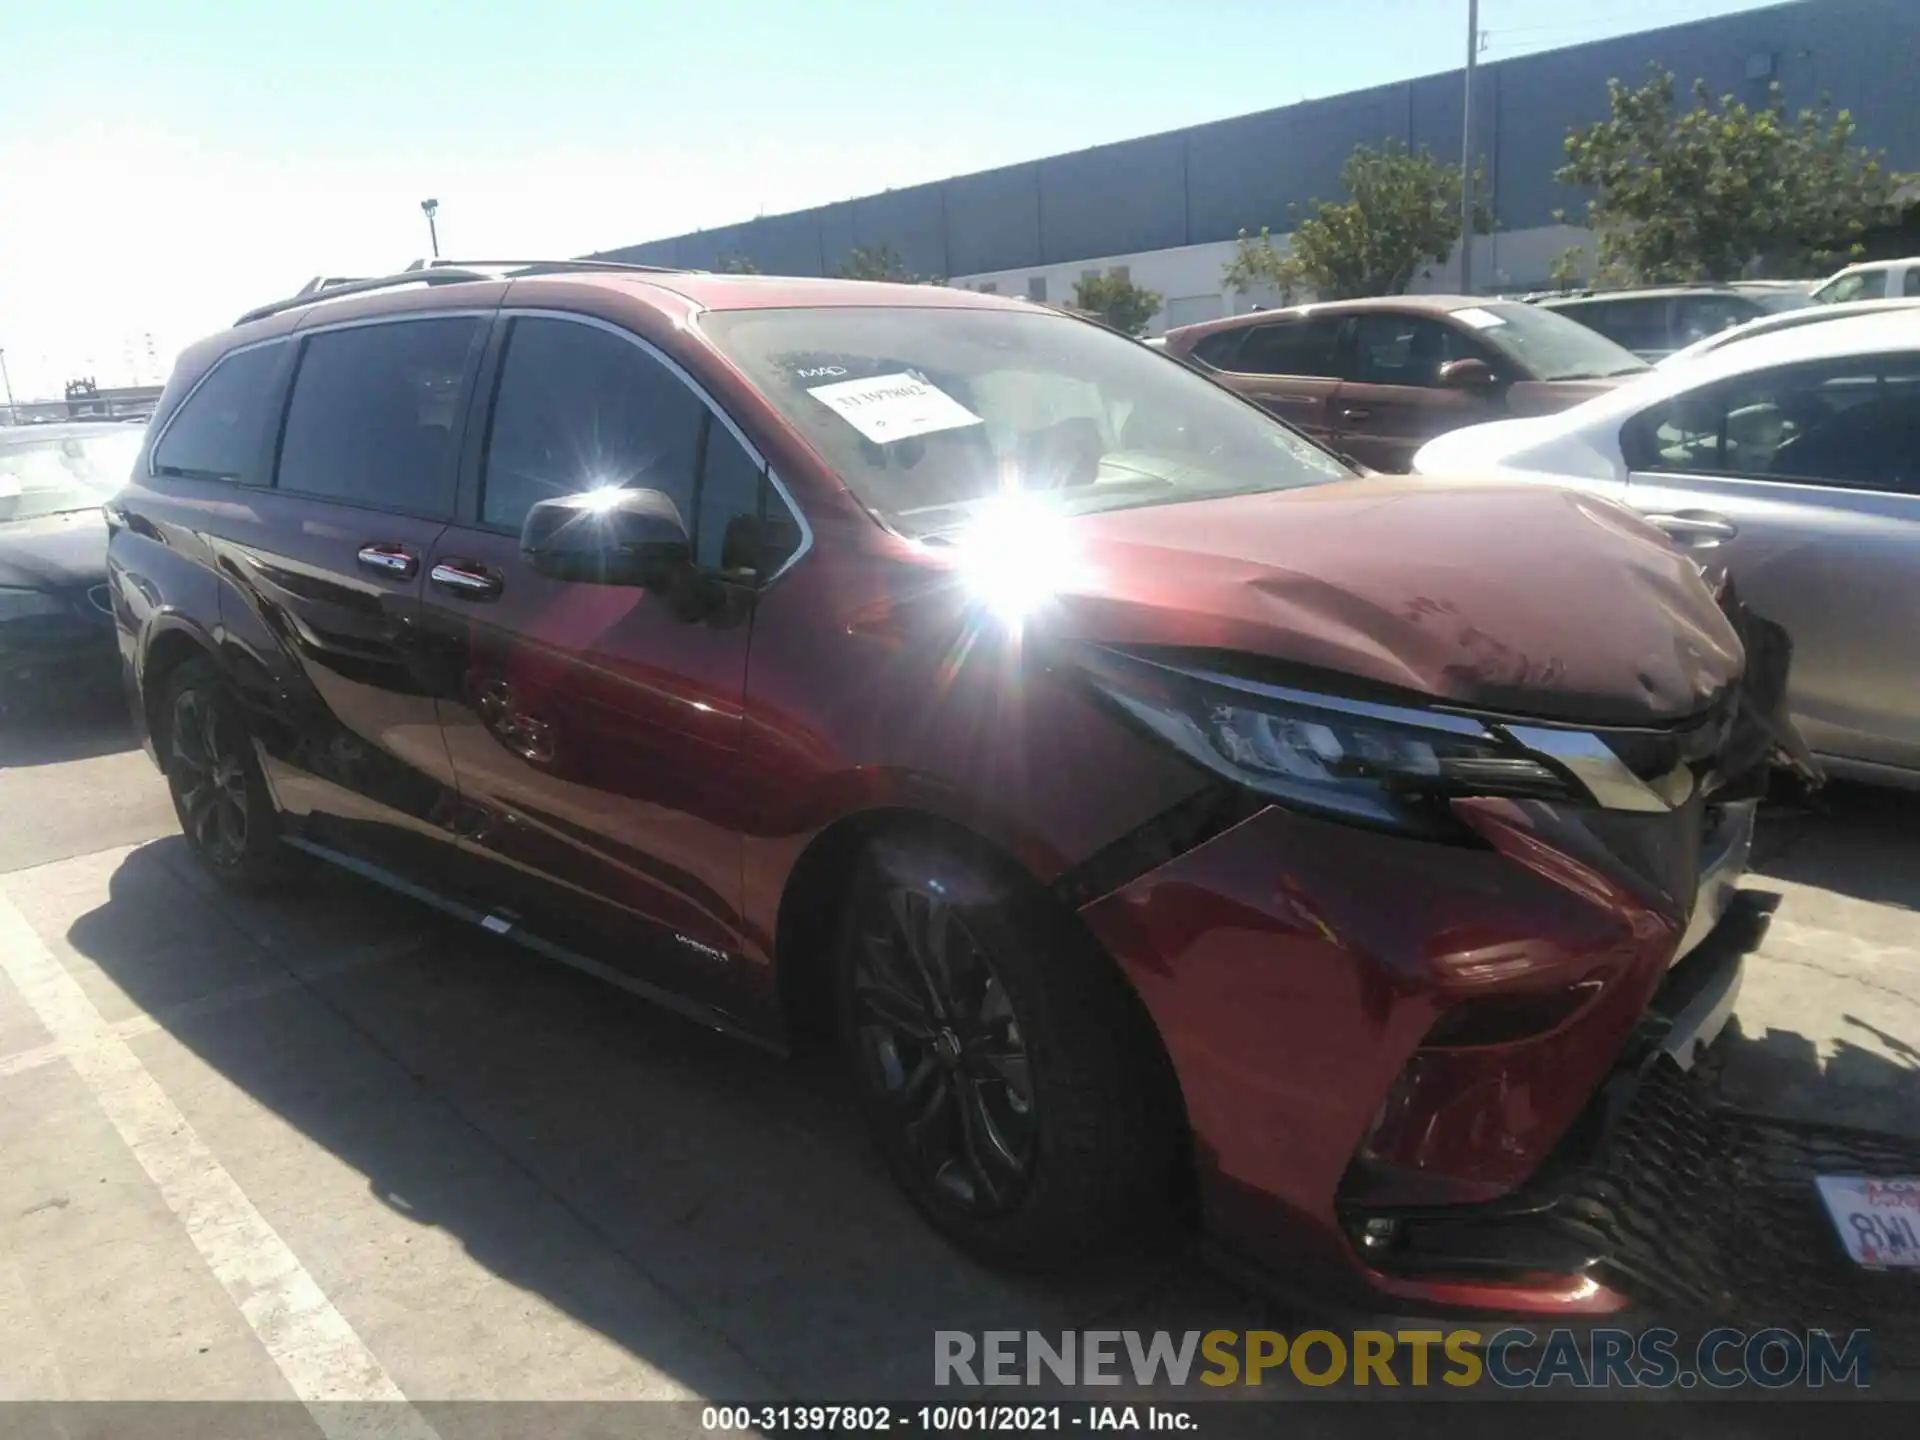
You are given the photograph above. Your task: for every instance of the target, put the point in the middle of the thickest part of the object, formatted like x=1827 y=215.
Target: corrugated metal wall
x=1207 y=183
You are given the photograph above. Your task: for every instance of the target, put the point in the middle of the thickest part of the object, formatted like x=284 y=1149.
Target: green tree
x=737 y=264
x=1709 y=193
x=879 y=262
x=1564 y=272
x=1401 y=215
x=1114 y=297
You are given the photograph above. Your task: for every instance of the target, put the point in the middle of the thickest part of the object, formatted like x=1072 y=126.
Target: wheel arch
x=811 y=911
x=171 y=642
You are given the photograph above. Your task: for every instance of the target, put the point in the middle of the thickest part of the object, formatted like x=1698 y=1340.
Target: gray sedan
x=1793 y=460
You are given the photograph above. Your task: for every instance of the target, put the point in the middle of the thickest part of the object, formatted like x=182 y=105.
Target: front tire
x=219 y=792
x=1010 y=1076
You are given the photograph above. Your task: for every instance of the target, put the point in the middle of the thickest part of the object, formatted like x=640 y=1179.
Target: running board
x=495 y=923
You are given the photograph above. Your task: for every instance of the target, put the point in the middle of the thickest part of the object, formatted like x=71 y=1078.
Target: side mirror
x=607 y=537
x=1467 y=374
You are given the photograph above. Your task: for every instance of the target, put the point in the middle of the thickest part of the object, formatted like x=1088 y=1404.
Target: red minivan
x=1151 y=805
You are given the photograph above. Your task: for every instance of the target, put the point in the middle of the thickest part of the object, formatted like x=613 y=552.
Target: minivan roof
x=406 y=291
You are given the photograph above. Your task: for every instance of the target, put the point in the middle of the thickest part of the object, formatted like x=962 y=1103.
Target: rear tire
x=219 y=792
x=1011 y=1078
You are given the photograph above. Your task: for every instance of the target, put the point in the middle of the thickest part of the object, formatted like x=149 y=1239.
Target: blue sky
x=164 y=166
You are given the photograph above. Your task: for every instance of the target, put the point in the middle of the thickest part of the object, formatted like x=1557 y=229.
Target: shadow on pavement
x=1855 y=840
x=579 y=1141
x=80 y=729
x=595 y=1151
x=1781 y=1073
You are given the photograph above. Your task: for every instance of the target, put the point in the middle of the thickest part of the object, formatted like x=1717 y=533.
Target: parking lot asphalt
x=333 y=1145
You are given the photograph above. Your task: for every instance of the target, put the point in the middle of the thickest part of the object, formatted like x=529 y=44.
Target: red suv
x=1377 y=379
x=1151 y=804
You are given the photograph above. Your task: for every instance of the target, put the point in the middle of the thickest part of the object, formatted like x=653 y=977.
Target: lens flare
x=1016 y=553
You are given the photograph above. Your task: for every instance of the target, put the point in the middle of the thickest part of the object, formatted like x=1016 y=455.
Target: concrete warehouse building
x=1168 y=207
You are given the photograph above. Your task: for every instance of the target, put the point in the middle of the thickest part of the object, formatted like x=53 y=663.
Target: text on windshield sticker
x=893 y=407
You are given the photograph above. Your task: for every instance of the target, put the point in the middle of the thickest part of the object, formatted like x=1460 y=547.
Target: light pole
x=13 y=412
x=1466 y=152
x=431 y=209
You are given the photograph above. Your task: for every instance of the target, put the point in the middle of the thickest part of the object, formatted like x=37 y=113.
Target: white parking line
x=323 y=1360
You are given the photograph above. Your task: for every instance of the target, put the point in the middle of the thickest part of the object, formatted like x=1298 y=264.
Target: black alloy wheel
x=1011 y=1078
x=208 y=771
x=942 y=1045
x=219 y=794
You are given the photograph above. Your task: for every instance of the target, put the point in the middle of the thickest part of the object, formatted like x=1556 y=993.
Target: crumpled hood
x=1528 y=599
x=54 y=551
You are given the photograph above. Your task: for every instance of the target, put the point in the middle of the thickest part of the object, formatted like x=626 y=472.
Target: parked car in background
x=1654 y=323
x=1784 y=320
x=56 y=627
x=1791 y=460
x=1082 y=745
x=1871 y=280
x=1377 y=379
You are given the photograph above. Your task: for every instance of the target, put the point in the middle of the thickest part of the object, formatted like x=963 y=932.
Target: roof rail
x=314 y=291
x=547 y=267
x=441 y=272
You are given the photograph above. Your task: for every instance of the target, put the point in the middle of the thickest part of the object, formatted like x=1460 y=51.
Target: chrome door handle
x=1696 y=526
x=391 y=560
x=1355 y=412
x=466 y=579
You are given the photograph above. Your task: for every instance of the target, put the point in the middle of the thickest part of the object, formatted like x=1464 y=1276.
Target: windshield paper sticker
x=1476 y=317
x=893 y=407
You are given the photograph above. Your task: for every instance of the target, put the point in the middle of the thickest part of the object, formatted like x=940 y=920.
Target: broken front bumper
x=1669 y=1203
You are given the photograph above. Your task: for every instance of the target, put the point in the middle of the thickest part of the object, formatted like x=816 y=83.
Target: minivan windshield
x=926 y=412
x=42 y=474
x=1549 y=346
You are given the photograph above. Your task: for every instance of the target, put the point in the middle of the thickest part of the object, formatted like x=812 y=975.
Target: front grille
x=1700 y=1214
x=1708 y=1213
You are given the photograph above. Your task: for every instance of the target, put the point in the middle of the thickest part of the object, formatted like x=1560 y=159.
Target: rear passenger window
x=218 y=434
x=1292 y=347
x=373 y=413
x=580 y=408
x=1637 y=325
x=1911 y=285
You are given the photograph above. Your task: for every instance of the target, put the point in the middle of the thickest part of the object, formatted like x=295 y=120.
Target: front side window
x=1854 y=285
x=1852 y=423
x=1911 y=285
x=373 y=415
x=218 y=432
x=1291 y=347
x=926 y=413
x=580 y=408
x=1405 y=350
x=53 y=474
x=742 y=527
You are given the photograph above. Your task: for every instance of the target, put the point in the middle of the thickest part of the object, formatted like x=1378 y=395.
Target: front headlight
x=18 y=604
x=1377 y=763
